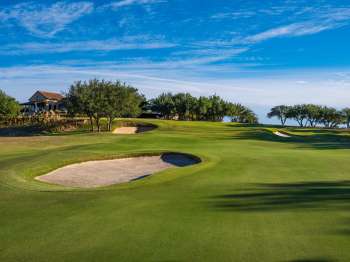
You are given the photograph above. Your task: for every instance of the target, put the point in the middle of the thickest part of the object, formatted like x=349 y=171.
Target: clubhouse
x=44 y=102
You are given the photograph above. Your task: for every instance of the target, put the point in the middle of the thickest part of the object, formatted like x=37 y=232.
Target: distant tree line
x=310 y=115
x=184 y=106
x=103 y=101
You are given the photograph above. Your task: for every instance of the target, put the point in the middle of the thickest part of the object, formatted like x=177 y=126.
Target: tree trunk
x=98 y=124
x=97 y=121
x=300 y=122
x=91 y=124
x=311 y=122
x=109 y=125
x=283 y=121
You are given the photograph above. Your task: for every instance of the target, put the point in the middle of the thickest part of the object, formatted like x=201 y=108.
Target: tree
x=80 y=101
x=99 y=98
x=202 y=108
x=298 y=113
x=240 y=113
x=184 y=105
x=331 y=117
x=217 y=109
x=249 y=117
x=122 y=101
x=212 y=108
x=313 y=114
x=164 y=104
x=9 y=107
x=282 y=112
x=346 y=115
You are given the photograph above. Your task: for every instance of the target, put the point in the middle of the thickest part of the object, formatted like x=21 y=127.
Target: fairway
x=254 y=197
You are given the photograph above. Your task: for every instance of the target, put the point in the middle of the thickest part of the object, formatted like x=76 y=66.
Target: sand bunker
x=281 y=134
x=108 y=172
x=127 y=130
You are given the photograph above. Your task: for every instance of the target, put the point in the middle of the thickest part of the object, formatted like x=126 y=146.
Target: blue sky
x=259 y=53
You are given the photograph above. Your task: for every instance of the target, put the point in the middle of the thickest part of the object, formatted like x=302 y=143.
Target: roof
x=51 y=95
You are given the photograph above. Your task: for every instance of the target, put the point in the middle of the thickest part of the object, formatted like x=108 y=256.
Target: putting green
x=255 y=197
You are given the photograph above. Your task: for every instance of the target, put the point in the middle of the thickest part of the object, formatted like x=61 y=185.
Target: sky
x=258 y=53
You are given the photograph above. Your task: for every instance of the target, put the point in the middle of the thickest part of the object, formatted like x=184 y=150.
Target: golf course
x=254 y=196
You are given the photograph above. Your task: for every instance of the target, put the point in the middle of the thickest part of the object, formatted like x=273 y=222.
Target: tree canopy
x=9 y=107
x=312 y=115
x=281 y=112
x=184 y=106
x=99 y=98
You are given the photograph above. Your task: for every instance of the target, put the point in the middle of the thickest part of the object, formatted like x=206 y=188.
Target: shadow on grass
x=180 y=159
x=312 y=260
x=280 y=197
x=31 y=131
x=344 y=229
x=291 y=197
x=20 y=131
x=319 y=140
x=316 y=130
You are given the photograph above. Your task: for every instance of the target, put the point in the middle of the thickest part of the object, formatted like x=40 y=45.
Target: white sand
x=108 y=172
x=132 y=130
x=125 y=130
x=281 y=134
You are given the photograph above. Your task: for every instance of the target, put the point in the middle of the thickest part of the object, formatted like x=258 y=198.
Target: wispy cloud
x=45 y=21
x=134 y=43
x=225 y=58
x=125 y=3
x=296 y=29
x=321 y=20
x=216 y=53
x=234 y=15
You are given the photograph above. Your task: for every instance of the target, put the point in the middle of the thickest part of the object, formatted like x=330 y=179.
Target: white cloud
x=124 y=3
x=301 y=82
x=46 y=21
x=234 y=15
x=296 y=29
x=322 y=19
x=209 y=54
x=336 y=14
x=84 y=46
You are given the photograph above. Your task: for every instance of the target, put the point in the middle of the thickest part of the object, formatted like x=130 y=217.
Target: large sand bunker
x=108 y=172
x=126 y=130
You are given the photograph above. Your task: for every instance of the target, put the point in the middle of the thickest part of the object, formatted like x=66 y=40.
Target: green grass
x=255 y=197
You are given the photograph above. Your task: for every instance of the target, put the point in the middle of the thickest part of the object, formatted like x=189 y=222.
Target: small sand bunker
x=281 y=134
x=127 y=130
x=107 y=172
